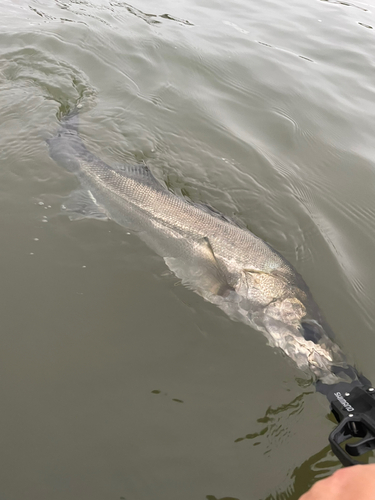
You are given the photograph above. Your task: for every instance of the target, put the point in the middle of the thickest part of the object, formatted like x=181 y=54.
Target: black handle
x=354 y=409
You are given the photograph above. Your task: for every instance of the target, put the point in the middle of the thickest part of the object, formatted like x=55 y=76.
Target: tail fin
x=66 y=147
x=70 y=120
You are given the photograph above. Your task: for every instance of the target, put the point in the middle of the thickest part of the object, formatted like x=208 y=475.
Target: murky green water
x=115 y=382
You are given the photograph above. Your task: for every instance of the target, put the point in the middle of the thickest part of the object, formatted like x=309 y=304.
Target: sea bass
x=224 y=263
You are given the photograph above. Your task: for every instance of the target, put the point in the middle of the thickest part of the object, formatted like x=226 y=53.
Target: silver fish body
x=227 y=265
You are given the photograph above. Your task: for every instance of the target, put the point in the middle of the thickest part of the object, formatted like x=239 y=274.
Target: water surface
x=116 y=382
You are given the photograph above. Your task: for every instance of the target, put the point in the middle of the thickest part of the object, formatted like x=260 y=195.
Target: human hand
x=351 y=483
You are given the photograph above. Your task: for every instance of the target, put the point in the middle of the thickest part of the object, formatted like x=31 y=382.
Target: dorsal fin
x=215 y=213
x=141 y=173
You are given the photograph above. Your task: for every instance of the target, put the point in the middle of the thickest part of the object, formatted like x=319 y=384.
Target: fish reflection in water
x=224 y=263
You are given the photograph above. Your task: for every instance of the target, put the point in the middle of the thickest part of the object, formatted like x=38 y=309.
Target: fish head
x=292 y=321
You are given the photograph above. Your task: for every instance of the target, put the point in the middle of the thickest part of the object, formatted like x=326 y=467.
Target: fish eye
x=311 y=331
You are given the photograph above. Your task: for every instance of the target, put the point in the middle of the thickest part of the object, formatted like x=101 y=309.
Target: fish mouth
x=291 y=340
x=324 y=360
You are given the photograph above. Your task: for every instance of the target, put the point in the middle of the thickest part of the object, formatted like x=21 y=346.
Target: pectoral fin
x=195 y=263
x=273 y=273
x=221 y=287
x=255 y=271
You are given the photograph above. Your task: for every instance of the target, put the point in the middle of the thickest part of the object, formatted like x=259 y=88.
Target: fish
x=211 y=254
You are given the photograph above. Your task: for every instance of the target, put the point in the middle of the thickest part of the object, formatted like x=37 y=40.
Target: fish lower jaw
x=306 y=354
